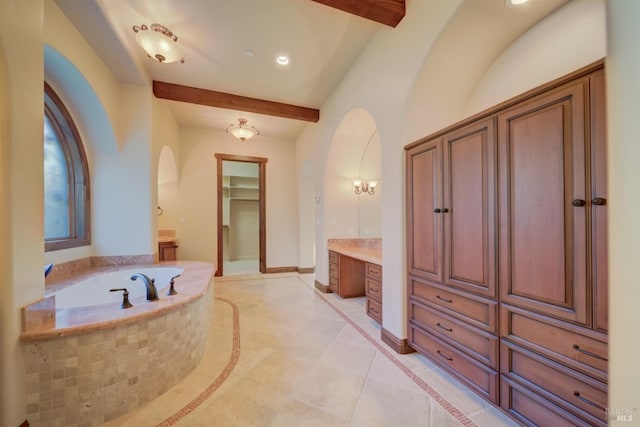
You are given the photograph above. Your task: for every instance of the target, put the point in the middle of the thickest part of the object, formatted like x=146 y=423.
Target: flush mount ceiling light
x=514 y=3
x=242 y=131
x=159 y=43
x=282 y=60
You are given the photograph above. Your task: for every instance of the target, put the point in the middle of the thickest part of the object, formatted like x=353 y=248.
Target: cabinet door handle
x=444 y=299
x=445 y=210
x=599 y=201
x=439 y=325
x=578 y=202
x=588 y=353
x=436 y=210
x=587 y=401
x=441 y=354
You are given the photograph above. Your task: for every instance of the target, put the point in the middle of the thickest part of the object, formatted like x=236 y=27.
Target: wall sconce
x=364 y=186
x=158 y=42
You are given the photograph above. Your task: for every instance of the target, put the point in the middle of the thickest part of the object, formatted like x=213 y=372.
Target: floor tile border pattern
x=448 y=406
x=233 y=360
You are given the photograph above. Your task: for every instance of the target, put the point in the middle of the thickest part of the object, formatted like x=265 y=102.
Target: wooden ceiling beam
x=212 y=98
x=388 y=12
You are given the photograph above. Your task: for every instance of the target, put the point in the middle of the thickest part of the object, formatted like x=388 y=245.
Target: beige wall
x=197 y=234
x=21 y=189
x=623 y=123
x=378 y=82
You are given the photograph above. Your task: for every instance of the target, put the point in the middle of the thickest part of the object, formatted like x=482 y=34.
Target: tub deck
x=42 y=320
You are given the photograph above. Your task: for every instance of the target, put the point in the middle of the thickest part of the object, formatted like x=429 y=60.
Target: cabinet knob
x=599 y=201
x=436 y=210
x=578 y=202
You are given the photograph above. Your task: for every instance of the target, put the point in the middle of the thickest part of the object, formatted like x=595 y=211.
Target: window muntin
x=66 y=174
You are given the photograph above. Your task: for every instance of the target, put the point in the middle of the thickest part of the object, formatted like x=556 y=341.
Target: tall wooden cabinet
x=506 y=252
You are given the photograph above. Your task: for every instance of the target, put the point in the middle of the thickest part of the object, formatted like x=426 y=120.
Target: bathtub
x=94 y=289
x=89 y=361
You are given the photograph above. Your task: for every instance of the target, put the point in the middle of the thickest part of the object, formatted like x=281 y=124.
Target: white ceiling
x=322 y=43
x=214 y=35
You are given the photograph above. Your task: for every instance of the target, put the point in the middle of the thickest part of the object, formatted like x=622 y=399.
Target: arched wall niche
x=354 y=153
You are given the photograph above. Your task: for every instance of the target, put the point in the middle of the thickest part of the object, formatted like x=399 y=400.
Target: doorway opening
x=241 y=214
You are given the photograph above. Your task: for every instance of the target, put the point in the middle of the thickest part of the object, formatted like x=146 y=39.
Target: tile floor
x=282 y=354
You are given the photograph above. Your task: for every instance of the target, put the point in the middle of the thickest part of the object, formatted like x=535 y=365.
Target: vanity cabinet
x=373 y=291
x=506 y=252
x=346 y=275
x=167 y=251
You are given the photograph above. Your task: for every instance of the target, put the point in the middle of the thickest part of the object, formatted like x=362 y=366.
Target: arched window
x=66 y=179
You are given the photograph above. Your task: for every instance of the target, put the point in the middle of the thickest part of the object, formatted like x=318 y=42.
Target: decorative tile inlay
x=419 y=381
x=233 y=360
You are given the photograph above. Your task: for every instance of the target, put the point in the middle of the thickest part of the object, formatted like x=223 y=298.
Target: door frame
x=262 y=187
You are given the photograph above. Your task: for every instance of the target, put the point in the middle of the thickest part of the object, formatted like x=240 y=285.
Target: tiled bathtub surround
x=81 y=373
x=41 y=320
x=365 y=249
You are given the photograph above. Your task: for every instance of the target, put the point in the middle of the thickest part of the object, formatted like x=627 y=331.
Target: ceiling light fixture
x=158 y=42
x=514 y=3
x=242 y=131
x=282 y=60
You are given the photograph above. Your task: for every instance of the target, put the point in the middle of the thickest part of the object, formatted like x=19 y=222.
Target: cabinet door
x=599 y=201
x=542 y=235
x=469 y=208
x=424 y=197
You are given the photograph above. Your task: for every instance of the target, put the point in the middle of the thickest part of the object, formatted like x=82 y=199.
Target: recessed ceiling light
x=513 y=3
x=250 y=54
x=282 y=60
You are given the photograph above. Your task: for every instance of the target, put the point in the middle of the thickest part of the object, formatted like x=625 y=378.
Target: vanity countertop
x=369 y=250
x=166 y=235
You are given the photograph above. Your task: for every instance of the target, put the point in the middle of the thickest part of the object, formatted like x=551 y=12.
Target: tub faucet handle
x=172 y=289
x=125 y=297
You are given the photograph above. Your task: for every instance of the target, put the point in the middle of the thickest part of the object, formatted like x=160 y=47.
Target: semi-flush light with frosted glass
x=242 y=131
x=514 y=3
x=158 y=42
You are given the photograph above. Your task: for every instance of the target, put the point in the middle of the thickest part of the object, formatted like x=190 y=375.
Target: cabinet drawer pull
x=588 y=353
x=441 y=354
x=587 y=401
x=439 y=325
x=374 y=310
x=599 y=201
x=373 y=290
x=578 y=202
x=444 y=299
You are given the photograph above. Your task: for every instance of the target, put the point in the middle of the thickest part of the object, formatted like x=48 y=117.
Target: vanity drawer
x=374 y=310
x=477 y=343
x=374 y=271
x=373 y=289
x=333 y=284
x=480 y=312
x=582 y=349
x=569 y=389
x=474 y=374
